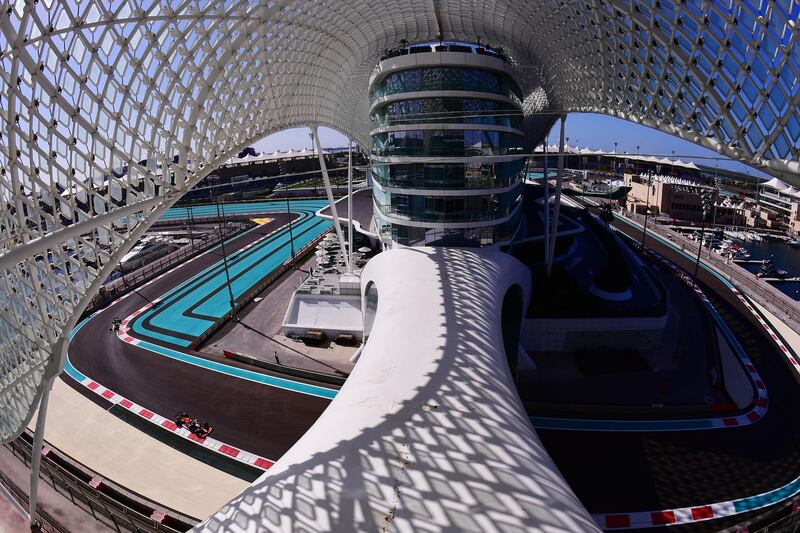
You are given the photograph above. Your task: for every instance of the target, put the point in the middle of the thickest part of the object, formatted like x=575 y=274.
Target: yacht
x=768 y=270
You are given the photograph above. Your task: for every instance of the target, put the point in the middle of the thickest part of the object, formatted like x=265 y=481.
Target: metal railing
x=244 y=299
x=760 y=291
x=47 y=524
x=131 y=280
x=101 y=506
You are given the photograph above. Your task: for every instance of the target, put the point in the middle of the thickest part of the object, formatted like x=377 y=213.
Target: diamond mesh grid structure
x=110 y=109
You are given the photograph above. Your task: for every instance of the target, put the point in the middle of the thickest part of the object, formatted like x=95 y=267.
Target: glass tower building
x=446 y=146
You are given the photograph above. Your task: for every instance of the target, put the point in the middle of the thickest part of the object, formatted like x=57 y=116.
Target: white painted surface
x=428 y=433
x=333 y=314
x=736 y=379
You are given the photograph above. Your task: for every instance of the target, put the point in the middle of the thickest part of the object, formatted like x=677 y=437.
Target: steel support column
x=557 y=203
x=36 y=451
x=329 y=192
x=546 y=205
x=350 y=204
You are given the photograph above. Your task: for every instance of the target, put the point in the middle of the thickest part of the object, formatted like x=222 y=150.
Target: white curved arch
x=428 y=432
x=93 y=86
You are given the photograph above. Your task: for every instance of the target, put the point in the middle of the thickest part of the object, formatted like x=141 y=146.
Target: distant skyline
x=598 y=132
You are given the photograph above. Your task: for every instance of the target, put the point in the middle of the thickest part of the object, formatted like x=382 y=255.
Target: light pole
x=715 y=198
x=225 y=257
x=191 y=226
x=705 y=199
x=133 y=289
x=647 y=206
x=289 y=210
x=313 y=155
x=672 y=162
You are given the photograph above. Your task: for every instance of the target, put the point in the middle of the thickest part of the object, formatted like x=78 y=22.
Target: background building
x=446 y=146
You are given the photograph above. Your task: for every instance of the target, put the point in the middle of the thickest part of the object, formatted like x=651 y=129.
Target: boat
x=731 y=250
x=768 y=270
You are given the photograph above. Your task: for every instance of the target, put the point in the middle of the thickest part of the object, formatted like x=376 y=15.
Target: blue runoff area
x=264 y=379
x=189 y=309
x=741 y=505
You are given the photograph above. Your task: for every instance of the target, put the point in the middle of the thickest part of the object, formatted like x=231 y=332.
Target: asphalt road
x=257 y=418
x=627 y=472
x=610 y=472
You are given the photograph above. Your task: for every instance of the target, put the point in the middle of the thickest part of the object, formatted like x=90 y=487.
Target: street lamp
x=647 y=207
x=705 y=200
x=231 y=299
x=672 y=161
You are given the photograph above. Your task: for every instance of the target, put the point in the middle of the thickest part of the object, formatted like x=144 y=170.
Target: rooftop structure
x=183 y=87
x=446 y=147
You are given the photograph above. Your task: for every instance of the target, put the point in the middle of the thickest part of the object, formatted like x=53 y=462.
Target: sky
x=586 y=129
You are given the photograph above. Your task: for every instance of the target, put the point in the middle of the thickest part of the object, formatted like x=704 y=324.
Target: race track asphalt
x=610 y=472
x=260 y=419
x=616 y=472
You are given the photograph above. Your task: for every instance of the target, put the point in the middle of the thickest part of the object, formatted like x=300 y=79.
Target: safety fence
x=333 y=379
x=47 y=523
x=758 y=290
x=129 y=281
x=251 y=293
x=108 y=504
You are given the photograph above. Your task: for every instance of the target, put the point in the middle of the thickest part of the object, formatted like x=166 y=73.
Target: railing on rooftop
x=760 y=291
x=113 y=508
x=444 y=47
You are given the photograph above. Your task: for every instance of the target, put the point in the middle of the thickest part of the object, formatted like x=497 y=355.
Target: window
x=370 y=307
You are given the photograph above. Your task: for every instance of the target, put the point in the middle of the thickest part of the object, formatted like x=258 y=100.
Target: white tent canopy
x=553 y=149
x=775 y=184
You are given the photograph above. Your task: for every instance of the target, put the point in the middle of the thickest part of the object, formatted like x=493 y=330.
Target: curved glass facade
x=428 y=208
x=484 y=236
x=441 y=197
x=447 y=110
x=450 y=143
x=447 y=79
x=469 y=175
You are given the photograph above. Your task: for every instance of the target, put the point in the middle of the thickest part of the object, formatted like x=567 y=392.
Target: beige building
x=794 y=219
x=764 y=217
x=675 y=198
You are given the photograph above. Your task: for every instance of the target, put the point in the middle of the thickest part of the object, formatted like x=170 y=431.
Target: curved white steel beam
x=99 y=98
x=428 y=433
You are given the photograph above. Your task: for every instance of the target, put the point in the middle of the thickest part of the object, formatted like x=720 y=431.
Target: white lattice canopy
x=110 y=109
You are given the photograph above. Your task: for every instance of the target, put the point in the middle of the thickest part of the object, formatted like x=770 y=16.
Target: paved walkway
x=54 y=503
x=791 y=337
x=258 y=332
x=84 y=431
x=11 y=521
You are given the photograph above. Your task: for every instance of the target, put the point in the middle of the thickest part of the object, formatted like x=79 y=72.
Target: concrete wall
x=737 y=381
x=333 y=314
x=568 y=334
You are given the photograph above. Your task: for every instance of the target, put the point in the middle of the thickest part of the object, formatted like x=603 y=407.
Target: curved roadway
x=614 y=472
x=257 y=418
x=610 y=472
